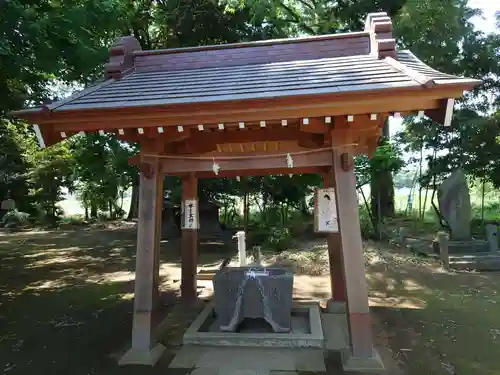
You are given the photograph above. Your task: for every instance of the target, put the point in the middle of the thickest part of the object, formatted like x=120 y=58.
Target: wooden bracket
x=346 y=162
x=147 y=170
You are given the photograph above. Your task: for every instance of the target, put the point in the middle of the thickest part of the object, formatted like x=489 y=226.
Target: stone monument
x=8 y=205
x=455 y=206
x=253 y=292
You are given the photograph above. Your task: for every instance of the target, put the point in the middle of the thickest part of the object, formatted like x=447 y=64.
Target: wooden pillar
x=189 y=250
x=358 y=313
x=157 y=240
x=144 y=348
x=337 y=279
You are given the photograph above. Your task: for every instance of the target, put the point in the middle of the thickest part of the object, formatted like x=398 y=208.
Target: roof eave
x=466 y=83
x=27 y=113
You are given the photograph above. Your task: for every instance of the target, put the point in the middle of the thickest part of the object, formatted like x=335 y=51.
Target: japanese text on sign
x=190 y=213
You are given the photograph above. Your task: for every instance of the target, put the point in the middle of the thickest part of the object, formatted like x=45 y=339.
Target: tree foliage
x=49 y=46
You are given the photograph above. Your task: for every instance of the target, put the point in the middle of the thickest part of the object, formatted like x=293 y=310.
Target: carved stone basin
x=253 y=292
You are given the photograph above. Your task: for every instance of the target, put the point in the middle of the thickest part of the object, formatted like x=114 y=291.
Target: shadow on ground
x=439 y=322
x=66 y=298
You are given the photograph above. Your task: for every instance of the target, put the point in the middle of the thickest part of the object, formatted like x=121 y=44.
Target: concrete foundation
x=336 y=307
x=372 y=364
x=142 y=357
x=306 y=331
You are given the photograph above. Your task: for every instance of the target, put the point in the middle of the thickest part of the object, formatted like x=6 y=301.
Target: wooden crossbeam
x=258 y=162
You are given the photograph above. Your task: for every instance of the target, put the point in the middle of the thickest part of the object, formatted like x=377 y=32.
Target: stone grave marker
x=455 y=206
x=492 y=236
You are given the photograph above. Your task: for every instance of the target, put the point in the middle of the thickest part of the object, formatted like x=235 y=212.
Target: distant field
x=71 y=206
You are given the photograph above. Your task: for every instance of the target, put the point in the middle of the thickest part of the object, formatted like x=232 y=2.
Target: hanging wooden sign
x=189 y=210
x=325 y=211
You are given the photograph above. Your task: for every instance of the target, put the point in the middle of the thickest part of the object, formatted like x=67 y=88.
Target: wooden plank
x=403 y=99
x=176 y=165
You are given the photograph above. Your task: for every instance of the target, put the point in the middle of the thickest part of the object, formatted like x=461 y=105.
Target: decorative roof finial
x=382 y=43
x=121 y=57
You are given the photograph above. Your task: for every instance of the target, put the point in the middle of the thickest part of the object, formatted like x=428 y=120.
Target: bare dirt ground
x=66 y=303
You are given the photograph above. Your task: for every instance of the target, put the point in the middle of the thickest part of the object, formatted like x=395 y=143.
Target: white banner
x=189 y=210
x=326 y=211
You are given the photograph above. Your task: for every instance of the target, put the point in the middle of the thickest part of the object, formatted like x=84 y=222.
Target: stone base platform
x=306 y=331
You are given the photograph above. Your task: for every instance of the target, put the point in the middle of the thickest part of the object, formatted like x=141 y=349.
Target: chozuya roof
x=145 y=93
x=359 y=62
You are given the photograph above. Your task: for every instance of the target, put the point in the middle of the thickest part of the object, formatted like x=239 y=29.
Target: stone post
x=492 y=236
x=443 y=249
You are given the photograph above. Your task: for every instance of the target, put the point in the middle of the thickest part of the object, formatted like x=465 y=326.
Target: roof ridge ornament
x=382 y=42
x=121 y=57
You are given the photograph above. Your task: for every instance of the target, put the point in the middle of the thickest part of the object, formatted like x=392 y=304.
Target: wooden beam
x=206 y=142
x=400 y=100
x=316 y=125
x=444 y=113
x=262 y=172
x=178 y=165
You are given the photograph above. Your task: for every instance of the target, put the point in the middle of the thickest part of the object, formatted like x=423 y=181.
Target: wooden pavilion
x=302 y=105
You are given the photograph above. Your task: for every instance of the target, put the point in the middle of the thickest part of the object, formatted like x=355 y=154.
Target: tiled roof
x=411 y=61
x=327 y=64
x=258 y=81
x=244 y=82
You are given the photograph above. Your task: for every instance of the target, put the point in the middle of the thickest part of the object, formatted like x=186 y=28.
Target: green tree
x=101 y=172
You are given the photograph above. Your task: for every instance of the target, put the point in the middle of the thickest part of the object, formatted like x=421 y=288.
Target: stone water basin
x=253 y=293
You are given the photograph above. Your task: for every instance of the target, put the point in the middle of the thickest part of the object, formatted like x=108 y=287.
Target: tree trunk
x=93 y=210
x=303 y=207
x=382 y=188
x=133 y=213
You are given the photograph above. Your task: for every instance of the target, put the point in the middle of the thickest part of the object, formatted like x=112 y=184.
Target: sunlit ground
x=66 y=303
